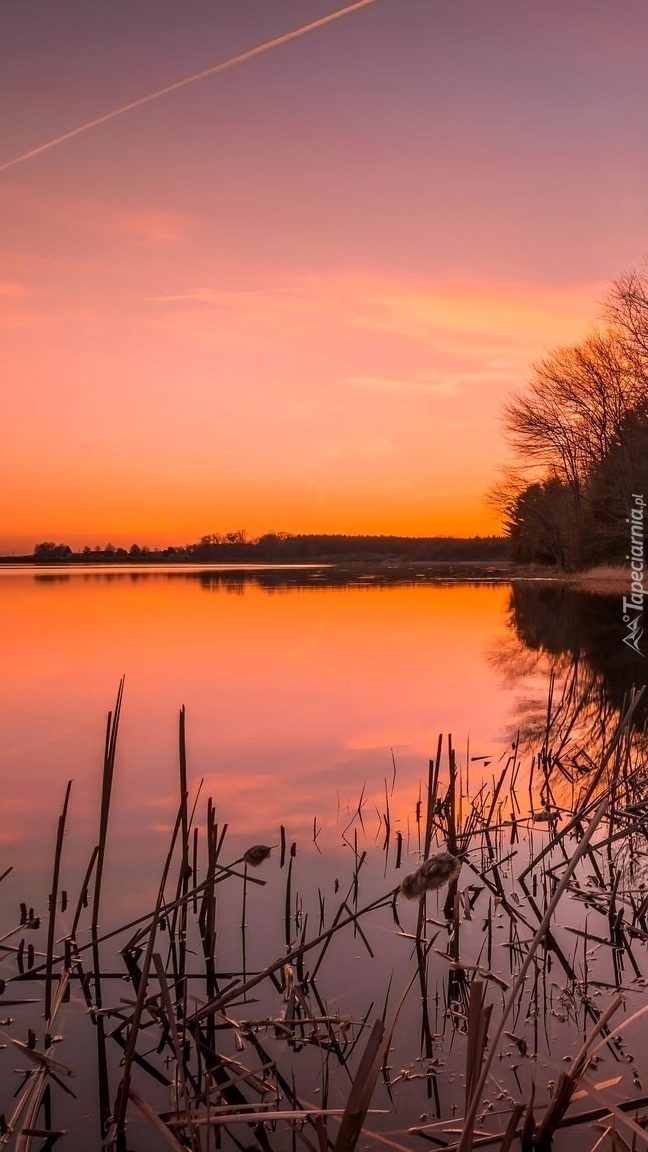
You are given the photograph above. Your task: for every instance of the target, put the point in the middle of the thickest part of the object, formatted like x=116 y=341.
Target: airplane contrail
x=202 y=75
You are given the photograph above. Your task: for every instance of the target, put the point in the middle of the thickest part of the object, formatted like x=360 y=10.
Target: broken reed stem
x=465 y=1143
x=237 y=990
x=53 y=902
x=176 y=1040
x=82 y=902
x=364 y=1082
x=568 y=1080
x=361 y=1090
x=185 y=870
x=623 y=724
x=154 y=1120
x=432 y=791
x=288 y=902
x=222 y=872
x=342 y=908
x=244 y=924
x=121 y=1101
x=112 y=728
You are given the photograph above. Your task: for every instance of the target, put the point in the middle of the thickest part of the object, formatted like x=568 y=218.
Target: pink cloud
x=70 y=215
x=11 y=291
x=441 y=335
x=154 y=227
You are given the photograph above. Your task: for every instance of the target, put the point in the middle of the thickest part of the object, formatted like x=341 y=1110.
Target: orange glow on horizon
x=78 y=529
x=400 y=437
x=225 y=307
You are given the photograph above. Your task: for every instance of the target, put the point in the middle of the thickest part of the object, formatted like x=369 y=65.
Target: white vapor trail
x=202 y=75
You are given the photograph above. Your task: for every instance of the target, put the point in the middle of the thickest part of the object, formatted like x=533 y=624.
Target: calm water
x=294 y=698
x=304 y=703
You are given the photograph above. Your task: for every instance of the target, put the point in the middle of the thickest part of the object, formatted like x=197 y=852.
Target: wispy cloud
x=437 y=338
x=16 y=309
x=227 y=298
x=193 y=296
x=521 y=312
x=438 y=383
x=11 y=291
x=153 y=227
x=413 y=307
x=69 y=216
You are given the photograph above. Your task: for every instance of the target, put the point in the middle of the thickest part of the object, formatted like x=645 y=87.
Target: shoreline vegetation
x=603 y=579
x=542 y=884
x=279 y=548
x=342 y=558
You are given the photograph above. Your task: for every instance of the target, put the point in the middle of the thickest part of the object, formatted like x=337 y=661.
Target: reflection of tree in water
x=574 y=640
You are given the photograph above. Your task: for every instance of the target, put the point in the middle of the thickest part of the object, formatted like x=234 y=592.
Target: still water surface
x=301 y=696
x=295 y=698
x=308 y=706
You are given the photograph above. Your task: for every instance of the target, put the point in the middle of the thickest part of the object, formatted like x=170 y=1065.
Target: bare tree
x=575 y=412
x=575 y=406
x=579 y=432
x=504 y=493
x=626 y=309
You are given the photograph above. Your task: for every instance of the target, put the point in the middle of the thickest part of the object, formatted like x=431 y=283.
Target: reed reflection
x=576 y=639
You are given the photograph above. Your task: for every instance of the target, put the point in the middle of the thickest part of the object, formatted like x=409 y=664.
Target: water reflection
x=298 y=694
x=278 y=577
x=296 y=697
x=577 y=638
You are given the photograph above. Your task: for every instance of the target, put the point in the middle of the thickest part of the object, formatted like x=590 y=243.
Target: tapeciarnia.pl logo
x=633 y=605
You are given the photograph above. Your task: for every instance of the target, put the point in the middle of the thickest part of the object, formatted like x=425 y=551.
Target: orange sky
x=292 y=296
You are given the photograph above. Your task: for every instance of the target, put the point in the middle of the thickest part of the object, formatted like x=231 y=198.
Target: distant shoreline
x=606 y=580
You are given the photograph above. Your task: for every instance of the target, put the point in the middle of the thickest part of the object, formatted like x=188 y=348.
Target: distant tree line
x=282 y=547
x=579 y=432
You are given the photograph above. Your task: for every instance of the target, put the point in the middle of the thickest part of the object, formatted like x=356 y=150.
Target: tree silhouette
x=579 y=431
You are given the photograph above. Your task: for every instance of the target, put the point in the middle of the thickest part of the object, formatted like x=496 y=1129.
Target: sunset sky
x=292 y=295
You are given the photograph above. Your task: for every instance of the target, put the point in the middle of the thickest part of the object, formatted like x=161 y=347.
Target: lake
x=295 y=697
x=312 y=711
